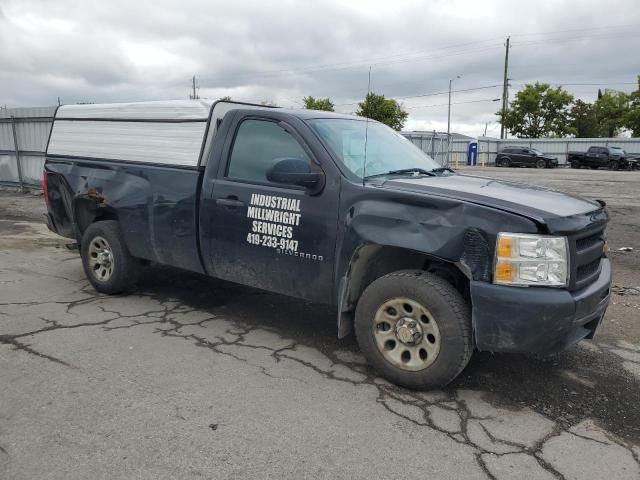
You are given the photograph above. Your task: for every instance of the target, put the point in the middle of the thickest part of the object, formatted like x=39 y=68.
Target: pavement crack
x=17 y=345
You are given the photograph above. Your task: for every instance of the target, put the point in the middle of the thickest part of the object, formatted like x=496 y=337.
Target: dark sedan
x=525 y=157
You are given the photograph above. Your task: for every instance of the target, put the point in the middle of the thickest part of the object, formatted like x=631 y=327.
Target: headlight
x=525 y=260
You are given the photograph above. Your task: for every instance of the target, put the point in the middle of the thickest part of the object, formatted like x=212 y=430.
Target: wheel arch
x=372 y=261
x=89 y=209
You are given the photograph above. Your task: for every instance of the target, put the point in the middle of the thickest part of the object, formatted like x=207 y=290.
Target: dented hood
x=560 y=211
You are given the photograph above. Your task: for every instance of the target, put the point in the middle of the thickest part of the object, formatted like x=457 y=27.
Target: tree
x=632 y=118
x=583 y=120
x=611 y=111
x=385 y=110
x=311 y=103
x=539 y=111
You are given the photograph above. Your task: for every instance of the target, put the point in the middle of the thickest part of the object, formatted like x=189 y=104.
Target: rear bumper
x=537 y=320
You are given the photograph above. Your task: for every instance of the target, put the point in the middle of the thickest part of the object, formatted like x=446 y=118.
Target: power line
x=557 y=40
x=455 y=103
x=598 y=84
x=589 y=29
x=347 y=65
x=434 y=94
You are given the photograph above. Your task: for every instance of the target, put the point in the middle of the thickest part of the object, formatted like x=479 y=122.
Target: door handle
x=231 y=201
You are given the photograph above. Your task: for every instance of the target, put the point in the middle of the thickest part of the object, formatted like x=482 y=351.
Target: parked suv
x=525 y=157
x=613 y=158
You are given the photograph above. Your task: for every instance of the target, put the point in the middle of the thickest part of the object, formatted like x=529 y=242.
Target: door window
x=259 y=144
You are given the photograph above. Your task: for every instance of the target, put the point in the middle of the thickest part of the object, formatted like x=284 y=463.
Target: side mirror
x=295 y=171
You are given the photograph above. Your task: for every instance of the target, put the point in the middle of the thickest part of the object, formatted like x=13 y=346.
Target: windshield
x=387 y=150
x=617 y=149
x=537 y=152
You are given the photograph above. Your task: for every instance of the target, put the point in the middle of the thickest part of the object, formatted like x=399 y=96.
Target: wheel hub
x=406 y=334
x=408 y=331
x=104 y=258
x=100 y=259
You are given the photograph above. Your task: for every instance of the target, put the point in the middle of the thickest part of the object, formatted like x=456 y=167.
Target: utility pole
x=505 y=90
x=194 y=96
x=449 y=120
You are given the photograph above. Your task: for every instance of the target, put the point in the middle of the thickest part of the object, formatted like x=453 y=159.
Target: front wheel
x=106 y=260
x=541 y=164
x=414 y=328
x=613 y=165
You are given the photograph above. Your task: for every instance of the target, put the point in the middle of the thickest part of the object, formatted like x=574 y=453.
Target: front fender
x=447 y=230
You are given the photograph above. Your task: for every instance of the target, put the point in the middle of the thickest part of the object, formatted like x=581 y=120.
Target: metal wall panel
x=32 y=126
x=8 y=169
x=27 y=112
x=32 y=167
x=32 y=135
x=6 y=136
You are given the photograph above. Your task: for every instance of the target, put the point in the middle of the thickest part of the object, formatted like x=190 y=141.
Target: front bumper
x=537 y=319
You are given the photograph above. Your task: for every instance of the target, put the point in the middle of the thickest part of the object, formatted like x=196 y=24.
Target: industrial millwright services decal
x=273 y=224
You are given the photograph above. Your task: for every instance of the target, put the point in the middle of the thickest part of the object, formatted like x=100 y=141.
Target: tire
x=575 y=164
x=505 y=162
x=541 y=164
x=441 y=315
x=613 y=165
x=107 y=263
x=593 y=167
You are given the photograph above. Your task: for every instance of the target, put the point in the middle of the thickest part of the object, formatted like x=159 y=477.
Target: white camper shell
x=174 y=132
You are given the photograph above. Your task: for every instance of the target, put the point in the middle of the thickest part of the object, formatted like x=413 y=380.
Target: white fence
x=23 y=141
x=489 y=147
x=24 y=133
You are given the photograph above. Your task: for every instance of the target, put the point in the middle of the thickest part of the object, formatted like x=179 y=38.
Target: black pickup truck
x=425 y=264
x=612 y=158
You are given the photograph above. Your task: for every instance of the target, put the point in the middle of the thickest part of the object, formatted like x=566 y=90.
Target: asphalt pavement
x=190 y=377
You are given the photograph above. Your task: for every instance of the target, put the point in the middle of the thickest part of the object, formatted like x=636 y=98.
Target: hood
x=559 y=211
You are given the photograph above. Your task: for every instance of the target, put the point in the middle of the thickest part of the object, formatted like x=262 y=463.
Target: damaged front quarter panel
x=415 y=229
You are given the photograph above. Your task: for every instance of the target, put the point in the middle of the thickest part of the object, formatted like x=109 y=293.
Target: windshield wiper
x=404 y=171
x=442 y=169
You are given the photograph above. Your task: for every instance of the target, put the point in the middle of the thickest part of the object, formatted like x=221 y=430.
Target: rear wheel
x=107 y=263
x=541 y=163
x=415 y=329
x=575 y=164
x=505 y=162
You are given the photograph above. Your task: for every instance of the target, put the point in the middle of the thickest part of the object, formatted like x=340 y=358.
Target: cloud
x=255 y=50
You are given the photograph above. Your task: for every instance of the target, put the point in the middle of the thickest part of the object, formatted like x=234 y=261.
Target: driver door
x=275 y=237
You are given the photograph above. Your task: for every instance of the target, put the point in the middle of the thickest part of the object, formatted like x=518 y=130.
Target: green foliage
x=632 y=118
x=311 y=103
x=583 y=120
x=539 y=111
x=611 y=110
x=384 y=110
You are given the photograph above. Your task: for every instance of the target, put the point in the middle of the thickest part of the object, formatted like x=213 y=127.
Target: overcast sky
x=114 y=50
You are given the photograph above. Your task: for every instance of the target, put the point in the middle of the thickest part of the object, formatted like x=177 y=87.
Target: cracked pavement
x=190 y=377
